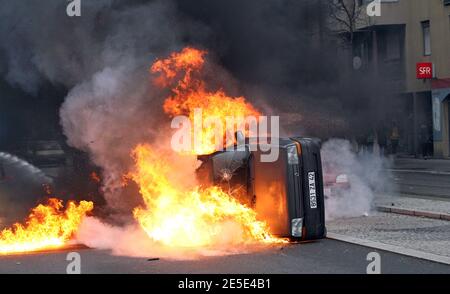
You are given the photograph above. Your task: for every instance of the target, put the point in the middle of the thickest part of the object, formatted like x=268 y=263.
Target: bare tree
x=345 y=18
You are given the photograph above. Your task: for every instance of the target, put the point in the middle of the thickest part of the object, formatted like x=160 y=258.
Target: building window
x=426 y=38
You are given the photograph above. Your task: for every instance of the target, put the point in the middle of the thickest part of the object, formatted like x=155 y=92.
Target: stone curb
x=414 y=212
x=390 y=248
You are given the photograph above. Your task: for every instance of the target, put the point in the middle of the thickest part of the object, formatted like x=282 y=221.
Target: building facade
x=391 y=45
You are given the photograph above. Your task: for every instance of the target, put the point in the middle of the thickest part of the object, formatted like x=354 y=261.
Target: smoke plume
x=102 y=59
x=131 y=240
x=366 y=173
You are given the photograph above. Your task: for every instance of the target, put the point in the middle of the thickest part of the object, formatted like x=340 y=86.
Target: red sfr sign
x=424 y=70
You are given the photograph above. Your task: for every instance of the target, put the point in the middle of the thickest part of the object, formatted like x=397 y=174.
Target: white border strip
x=391 y=248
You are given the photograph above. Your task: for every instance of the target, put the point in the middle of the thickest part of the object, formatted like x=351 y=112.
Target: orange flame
x=181 y=71
x=199 y=216
x=193 y=218
x=47 y=227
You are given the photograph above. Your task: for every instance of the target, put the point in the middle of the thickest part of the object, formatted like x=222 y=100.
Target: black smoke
x=281 y=51
x=285 y=53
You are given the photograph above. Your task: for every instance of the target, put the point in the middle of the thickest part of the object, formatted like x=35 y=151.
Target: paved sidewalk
x=414 y=226
x=409 y=224
x=413 y=205
x=407 y=232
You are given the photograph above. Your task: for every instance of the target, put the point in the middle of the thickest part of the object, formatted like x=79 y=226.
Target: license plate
x=312 y=190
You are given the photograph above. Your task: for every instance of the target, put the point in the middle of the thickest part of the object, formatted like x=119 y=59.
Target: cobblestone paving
x=423 y=234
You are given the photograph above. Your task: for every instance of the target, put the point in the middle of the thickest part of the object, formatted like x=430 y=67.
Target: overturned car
x=287 y=193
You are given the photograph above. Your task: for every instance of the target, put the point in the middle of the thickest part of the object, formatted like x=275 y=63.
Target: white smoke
x=366 y=173
x=107 y=116
x=132 y=240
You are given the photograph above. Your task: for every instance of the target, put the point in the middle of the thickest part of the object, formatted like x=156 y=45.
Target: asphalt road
x=422 y=183
x=422 y=177
x=325 y=256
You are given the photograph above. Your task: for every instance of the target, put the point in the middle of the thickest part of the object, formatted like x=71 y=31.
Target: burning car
x=287 y=193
